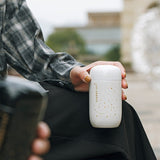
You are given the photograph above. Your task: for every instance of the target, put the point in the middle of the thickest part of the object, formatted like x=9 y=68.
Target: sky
x=56 y=13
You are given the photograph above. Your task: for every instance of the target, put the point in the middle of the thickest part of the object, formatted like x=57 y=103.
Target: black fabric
x=73 y=138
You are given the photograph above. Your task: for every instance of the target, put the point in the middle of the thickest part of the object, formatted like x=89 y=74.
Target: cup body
x=105 y=97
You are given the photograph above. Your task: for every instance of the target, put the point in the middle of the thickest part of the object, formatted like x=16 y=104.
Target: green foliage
x=66 y=40
x=113 y=54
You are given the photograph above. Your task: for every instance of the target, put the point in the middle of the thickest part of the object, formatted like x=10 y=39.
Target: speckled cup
x=105 y=96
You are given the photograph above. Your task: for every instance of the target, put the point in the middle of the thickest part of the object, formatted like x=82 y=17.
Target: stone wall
x=105 y=19
x=132 y=10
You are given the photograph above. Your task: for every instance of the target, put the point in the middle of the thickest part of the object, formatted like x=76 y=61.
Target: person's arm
x=26 y=51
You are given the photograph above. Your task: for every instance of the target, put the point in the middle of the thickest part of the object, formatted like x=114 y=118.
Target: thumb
x=85 y=77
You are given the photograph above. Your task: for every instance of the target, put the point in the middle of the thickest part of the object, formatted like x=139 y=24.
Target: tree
x=66 y=40
x=113 y=54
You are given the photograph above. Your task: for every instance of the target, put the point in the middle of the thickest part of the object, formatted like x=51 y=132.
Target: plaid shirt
x=22 y=47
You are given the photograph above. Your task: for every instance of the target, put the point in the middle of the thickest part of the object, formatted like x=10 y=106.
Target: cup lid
x=105 y=72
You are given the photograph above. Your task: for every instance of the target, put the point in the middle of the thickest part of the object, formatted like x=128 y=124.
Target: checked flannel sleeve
x=25 y=49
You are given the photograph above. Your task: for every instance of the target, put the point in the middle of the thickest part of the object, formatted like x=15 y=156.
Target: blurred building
x=102 y=31
x=132 y=10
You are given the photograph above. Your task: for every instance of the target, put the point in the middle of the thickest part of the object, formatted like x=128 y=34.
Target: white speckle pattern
x=105 y=104
x=105 y=97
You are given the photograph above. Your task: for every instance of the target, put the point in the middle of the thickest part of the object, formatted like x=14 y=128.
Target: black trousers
x=73 y=138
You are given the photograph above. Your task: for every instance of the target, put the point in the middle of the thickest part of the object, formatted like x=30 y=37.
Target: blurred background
x=119 y=30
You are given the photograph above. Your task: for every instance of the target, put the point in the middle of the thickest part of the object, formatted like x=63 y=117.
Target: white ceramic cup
x=105 y=96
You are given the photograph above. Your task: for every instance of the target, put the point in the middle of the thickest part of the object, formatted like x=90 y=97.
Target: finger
x=43 y=130
x=117 y=64
x=120 y=66
x=124 y=97
x=84 y=76
x=124 y=74
x=40 y=146
x=33 y=157
x=124 y=84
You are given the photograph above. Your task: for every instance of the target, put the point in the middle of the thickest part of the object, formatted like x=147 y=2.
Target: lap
x=73 y=138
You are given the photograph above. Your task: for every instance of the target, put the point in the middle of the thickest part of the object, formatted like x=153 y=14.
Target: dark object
x=22 y=105
x=73 y=138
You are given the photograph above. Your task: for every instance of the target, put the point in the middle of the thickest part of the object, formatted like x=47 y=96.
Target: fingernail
x=87 y=79
x=126 y=84
x=124 y=74
x=125 y=97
